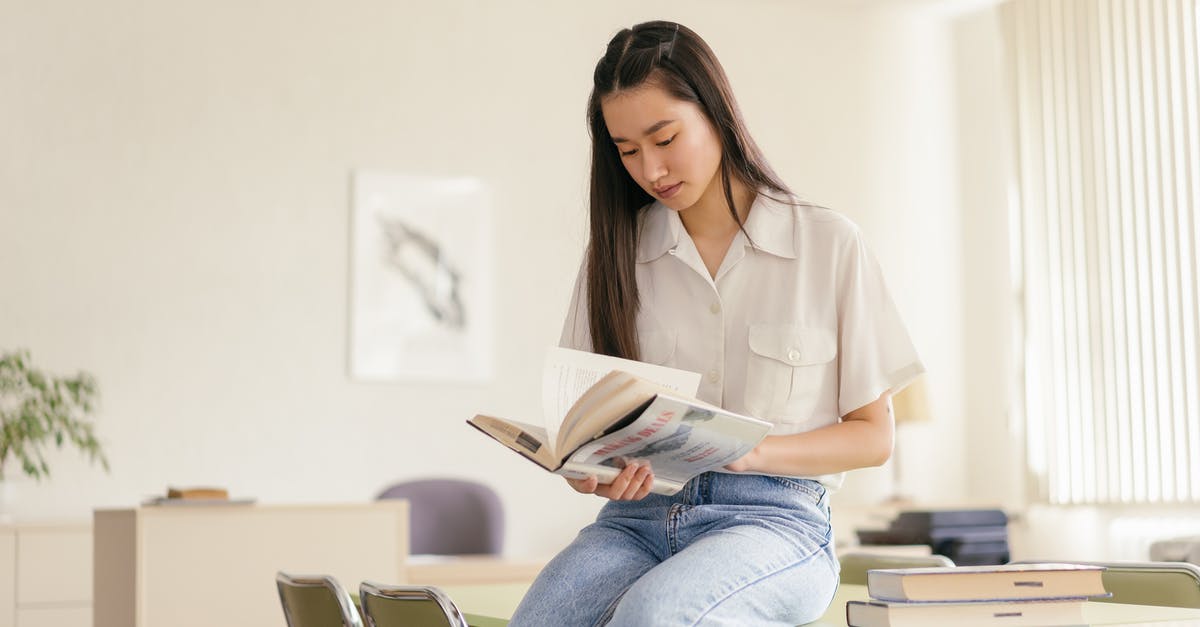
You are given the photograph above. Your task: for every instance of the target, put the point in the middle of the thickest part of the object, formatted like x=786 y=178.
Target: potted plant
x=37 y=410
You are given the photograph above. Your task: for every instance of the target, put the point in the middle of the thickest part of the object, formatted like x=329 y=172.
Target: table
x=458 y=570
x=490 y=605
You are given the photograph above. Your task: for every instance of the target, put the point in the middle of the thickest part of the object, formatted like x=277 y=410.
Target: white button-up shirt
x=797 y=328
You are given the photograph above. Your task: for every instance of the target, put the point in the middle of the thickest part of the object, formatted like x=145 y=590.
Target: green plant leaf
x=37 y=409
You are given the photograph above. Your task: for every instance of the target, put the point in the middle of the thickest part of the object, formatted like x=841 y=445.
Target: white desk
x=495 y=602
x=457 y=570
x=198 y=566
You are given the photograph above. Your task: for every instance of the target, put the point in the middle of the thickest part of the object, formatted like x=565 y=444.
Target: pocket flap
x=793 y=344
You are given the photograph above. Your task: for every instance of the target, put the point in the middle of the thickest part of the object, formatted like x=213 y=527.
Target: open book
x=619 y=410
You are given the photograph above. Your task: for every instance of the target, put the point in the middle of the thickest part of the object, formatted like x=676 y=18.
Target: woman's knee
x=790 y=596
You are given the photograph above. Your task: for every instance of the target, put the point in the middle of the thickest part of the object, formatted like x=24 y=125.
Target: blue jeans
x=726 y=550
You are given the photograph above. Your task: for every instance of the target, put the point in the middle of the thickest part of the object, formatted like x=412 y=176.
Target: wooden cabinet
x=203 y=565
x=45 y=574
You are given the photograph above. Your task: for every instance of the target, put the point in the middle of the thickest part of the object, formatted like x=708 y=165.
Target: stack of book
x=1014 y=594
x=969 y=537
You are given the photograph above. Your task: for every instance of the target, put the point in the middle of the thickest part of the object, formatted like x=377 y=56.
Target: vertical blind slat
x=1172 y=357
x=1190 y=43
x=1082 y=442
x=1105 y=182
x=1093 y=486
x=1067 y=239
x=1022 y=24
x=1184 y=208
x=1160 y=488
x=1054 y=427
x=1116 y=304
x=1124 y=252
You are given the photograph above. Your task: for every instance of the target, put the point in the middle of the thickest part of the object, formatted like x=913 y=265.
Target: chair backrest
x=451 y=516
x=855 y=564
x=315 y=601
x=402 y=606
x=1174 y=584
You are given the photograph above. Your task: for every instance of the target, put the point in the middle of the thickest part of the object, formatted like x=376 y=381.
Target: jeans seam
x=798 y=562
x=673 y=516
x=607 y=615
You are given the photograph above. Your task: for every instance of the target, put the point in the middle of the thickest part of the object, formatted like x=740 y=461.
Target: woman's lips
x=667 y=192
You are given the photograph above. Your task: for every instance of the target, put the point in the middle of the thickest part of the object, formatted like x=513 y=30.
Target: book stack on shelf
x=1014 y=594
x=969 y=537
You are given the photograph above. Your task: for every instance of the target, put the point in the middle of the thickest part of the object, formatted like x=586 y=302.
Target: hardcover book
x=994 y=583
x=1025 y=613
x=616 y=416
x=949 y=518
x=936 y=537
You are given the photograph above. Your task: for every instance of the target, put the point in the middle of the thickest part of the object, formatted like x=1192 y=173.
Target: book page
x=679 y=439
x=569 y=373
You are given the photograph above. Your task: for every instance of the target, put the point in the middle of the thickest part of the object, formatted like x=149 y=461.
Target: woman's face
x=667 y=145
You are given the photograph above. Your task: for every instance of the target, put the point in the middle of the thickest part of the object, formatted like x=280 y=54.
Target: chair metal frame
x=886 y=561
x=370 y=589
x=1185 y=569
x=349 y=611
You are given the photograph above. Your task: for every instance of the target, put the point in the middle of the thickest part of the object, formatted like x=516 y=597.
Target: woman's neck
x=710 y=219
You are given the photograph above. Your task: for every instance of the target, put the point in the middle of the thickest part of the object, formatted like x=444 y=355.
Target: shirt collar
x=770 y=225
x=661 y=228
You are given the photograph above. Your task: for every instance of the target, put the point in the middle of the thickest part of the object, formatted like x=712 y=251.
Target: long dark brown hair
x=676 y=59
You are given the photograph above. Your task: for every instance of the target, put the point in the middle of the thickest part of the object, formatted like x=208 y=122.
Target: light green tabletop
x=489 y=605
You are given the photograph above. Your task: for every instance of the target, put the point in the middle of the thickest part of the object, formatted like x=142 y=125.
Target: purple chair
x=451 y=516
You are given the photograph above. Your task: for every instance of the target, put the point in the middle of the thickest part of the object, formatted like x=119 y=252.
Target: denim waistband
x=713 y=488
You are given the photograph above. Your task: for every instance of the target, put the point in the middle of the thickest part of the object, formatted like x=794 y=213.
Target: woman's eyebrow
x=653 y=127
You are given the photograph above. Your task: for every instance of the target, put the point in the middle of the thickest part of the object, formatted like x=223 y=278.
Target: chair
x=1185 y=549
x=398 y=606
x=1173 y=584
x=451 y=516
x=315 y=601
x=855 y=564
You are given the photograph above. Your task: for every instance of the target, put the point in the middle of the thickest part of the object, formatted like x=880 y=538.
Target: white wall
x=174 y=218
x=994 y=440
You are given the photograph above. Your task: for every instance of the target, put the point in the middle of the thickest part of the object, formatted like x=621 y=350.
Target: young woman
x=700 y=258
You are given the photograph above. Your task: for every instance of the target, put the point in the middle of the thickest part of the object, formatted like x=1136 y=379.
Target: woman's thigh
x=581 y=584
x=744 y=575
x=759 y=553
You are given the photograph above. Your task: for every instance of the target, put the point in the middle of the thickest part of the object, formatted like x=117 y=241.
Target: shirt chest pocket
x=787 y=368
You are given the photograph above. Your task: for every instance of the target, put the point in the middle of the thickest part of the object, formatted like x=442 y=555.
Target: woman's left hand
x=747 y=462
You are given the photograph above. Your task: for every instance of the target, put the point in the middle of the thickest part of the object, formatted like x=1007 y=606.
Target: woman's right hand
x=632 y=484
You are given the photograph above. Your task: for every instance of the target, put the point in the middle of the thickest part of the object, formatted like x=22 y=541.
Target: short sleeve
x=576 y=333
x=876 y=353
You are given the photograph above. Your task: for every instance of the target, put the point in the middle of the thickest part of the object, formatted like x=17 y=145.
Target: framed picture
x=421 y=287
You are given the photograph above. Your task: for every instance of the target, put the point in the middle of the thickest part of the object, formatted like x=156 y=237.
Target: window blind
x=1108 y=148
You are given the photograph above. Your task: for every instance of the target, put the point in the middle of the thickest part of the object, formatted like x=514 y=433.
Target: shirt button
x=793 y=355
x=714 y=376
x=715 y=308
